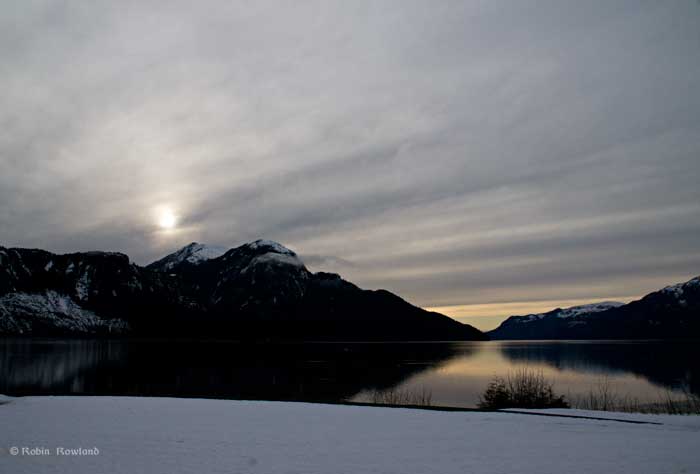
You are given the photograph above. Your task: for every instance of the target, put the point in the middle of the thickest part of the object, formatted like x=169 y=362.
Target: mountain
x=672 y=312
x=192 y=254
x=550 y=324
x=260 y=290
x=80 y=293
x=264 y=288
x=51 y=312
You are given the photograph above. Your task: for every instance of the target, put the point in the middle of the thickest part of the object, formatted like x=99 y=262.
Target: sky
x=485 y=158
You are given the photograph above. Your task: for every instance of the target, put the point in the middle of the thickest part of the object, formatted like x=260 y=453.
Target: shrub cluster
x=521 y=389
x=393 y=396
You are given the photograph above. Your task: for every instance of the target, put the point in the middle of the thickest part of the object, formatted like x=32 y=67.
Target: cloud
x=326 y=263
x=457 y=153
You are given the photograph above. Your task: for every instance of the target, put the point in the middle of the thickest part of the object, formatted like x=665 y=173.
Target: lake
x=454 y=373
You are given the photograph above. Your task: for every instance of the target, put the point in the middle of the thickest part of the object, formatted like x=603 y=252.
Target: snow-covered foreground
x=166 y=435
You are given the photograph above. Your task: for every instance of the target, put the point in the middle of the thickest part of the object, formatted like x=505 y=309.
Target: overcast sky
x=489 y=157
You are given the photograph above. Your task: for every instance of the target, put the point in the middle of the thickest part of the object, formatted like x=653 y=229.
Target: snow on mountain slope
x=573 y=311
x=551 y=323
x=588 y=308
x=271 y=246
x=672 y=312
x=272 y=258
x=193 y=253
x=27 y=312
x=258 y=289
x=679 y=289
x=201 y=252
x=196 y=253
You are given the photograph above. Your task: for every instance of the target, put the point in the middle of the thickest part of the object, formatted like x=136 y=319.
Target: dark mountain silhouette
x=670 y=313
x=260 y=290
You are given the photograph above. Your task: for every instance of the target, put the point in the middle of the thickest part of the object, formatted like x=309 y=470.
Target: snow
x=196 y=253
x=573 y=311
x=201 y=252
x=193 y=253
x=678 y=289
x=588 y=308
x=82 y=286
x=692 y=422
x=167 y=435
x=20 y=312
x=271 y=245
x=48 y=266
x=19 y=258
x=276 y=259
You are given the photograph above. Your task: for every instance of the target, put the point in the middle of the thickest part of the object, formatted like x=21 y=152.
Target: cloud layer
x=458 y=153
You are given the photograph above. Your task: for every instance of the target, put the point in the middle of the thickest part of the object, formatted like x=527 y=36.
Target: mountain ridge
x=259 y=290
x=670 y=312
x=192 y=253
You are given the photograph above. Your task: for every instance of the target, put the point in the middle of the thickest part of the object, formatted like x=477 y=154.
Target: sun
x=167 y=219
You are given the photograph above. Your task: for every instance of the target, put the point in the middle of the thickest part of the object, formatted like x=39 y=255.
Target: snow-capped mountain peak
x=264 y=251
x=275 y=259
x=193 y=253
x=571 y=312
x=678 y=289
x=200 y=252
x=588 y=308
x=270 y=246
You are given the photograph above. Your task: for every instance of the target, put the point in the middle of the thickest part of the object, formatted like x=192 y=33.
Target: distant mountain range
x=672 y=312
x=260 y=290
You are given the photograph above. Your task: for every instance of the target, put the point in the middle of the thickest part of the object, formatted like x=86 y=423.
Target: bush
x=604 y=398
x=394 y=396
x=521 y=389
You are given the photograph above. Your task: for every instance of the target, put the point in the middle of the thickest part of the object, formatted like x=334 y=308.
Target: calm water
x=455 y=373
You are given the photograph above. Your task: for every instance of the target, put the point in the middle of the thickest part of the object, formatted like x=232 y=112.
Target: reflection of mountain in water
x=324 y=372
x=39 y=366
x=673 y=365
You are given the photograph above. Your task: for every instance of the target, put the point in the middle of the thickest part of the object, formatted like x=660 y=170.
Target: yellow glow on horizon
x=489 y=315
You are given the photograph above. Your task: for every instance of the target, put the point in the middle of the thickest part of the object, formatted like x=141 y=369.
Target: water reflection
x=455 y=373
x=674 y=364
x=644 y=370
x=324 y=372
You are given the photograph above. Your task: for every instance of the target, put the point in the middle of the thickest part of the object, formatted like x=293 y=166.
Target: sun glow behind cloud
x=166 y=218
x=459 y=154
